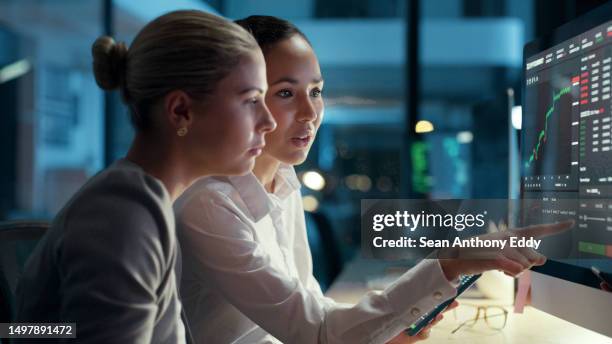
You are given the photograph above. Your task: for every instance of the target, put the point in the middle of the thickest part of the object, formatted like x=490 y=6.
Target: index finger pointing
x=543 y=230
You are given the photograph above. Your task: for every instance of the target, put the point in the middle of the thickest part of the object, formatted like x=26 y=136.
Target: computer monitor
x=566 y=164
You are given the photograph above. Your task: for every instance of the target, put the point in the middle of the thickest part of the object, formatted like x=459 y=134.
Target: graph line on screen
x=542 y=135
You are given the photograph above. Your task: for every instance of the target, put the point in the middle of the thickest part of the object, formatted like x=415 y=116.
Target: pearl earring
x=182 y=131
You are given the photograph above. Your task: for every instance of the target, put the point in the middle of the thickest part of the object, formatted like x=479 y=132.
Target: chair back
x=17 y=241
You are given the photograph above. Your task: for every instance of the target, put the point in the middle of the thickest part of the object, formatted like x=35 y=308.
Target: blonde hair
x=182 y=50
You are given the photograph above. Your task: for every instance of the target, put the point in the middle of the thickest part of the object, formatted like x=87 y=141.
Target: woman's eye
x=284 y=93
x=315 y=93
x=254 y=100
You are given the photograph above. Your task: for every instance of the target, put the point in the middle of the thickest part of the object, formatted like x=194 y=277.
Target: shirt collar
x=255 y=196
x=286 y=181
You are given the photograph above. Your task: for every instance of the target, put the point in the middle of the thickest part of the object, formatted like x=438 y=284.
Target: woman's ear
x=178 y=108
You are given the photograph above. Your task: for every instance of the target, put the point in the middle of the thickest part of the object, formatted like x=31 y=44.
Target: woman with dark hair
x=194 y=84
x=247 y=274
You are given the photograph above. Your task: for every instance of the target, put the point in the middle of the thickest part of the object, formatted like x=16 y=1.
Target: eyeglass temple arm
x=475 y=319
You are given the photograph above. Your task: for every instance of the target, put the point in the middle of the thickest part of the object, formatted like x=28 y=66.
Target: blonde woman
x=194 y=84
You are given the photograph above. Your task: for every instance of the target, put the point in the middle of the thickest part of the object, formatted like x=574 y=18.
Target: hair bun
x=109 y=59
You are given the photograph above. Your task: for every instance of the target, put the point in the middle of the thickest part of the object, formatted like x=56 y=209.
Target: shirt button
x=415 y=311
x=437 y=295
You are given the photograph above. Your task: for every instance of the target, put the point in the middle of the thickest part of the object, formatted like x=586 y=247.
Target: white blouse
x=247 y=272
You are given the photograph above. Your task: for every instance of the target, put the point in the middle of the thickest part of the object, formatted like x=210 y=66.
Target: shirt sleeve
x=111 y=264
x=229 y=260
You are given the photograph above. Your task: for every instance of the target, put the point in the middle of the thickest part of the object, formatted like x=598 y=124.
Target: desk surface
x=532 y=326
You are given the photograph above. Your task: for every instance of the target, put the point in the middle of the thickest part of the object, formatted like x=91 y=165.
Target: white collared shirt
x=247 y=272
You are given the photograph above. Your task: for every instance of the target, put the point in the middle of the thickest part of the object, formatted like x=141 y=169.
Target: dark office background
x=419 y=95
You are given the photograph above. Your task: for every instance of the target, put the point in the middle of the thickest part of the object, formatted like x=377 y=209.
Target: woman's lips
x=301 y=142
x=255 y=151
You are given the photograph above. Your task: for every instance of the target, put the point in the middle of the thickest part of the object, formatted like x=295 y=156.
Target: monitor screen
x=566 y=144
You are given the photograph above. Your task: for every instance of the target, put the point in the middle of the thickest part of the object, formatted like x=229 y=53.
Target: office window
x=54 y=119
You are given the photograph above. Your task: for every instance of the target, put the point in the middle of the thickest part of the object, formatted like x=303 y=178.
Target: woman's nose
x=266 y=122
x=307 y=111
